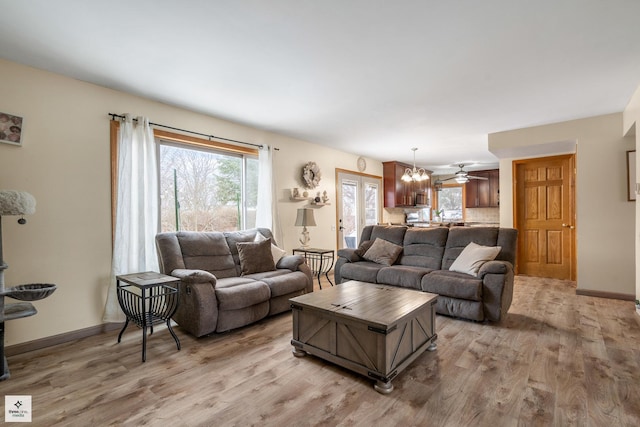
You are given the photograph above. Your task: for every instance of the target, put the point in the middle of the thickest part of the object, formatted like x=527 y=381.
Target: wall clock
x=362 y=164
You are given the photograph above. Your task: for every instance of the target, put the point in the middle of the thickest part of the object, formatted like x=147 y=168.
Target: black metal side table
x=148 y=299
x=319 y=260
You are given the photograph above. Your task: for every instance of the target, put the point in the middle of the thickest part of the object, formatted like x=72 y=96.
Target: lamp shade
x=305 y=218
x=16 y=203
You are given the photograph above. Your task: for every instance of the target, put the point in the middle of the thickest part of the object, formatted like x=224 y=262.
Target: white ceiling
x=371 y=77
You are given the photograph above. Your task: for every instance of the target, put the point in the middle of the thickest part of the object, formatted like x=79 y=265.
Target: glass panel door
x=359 y=204
x=348 y=221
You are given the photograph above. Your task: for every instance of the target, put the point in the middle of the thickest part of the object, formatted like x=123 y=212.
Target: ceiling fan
x=463 y=176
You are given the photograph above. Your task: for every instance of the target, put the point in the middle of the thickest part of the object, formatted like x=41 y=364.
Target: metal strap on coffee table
x=148 y=299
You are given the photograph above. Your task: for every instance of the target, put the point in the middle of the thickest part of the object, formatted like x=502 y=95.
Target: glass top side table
x=148 y=299
x=320 y=261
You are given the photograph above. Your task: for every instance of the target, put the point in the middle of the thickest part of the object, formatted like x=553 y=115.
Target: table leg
x=144 y=342
x=126 y=323
x=173 y=334
x=327 y=276
x=382 y=387
x=321 y=267
x=143 y=311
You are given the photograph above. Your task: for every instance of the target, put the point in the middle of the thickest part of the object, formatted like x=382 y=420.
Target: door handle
x=568 y=226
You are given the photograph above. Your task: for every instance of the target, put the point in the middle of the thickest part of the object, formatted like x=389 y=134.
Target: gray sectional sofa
x=424 y=261
x=227 y=279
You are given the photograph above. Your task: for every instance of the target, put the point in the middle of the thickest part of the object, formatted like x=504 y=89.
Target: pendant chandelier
x=415 y=174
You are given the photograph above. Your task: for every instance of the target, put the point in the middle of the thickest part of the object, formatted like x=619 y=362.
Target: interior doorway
x=544 y=214
x=359 y=203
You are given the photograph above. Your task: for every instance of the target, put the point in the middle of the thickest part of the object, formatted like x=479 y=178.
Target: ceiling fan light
x=462 y=179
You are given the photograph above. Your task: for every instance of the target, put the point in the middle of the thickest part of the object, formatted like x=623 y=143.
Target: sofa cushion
x=453 y=284
x=472 y=257
x=363 y=247
x=460 y=237
x=276 y=252
x=404 y=276
x=364 y=271
x=206 y=251
x=390 y=233
x=424 y=247
x=286 y=283
x=255 y=257
x=238 y=292
x=383 y=252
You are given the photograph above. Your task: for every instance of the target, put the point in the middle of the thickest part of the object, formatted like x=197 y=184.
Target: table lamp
x=305 y=219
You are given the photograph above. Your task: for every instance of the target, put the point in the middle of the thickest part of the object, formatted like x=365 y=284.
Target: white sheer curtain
x=266 y=210
x=136 y=210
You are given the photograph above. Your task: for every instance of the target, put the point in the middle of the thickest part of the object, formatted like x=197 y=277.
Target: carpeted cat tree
x=16 y=203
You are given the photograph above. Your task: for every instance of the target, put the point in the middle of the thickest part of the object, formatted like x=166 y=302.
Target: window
x=450 y=200
x=206 y=189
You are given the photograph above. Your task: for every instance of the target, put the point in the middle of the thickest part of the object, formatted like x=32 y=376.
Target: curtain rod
x=120 y=116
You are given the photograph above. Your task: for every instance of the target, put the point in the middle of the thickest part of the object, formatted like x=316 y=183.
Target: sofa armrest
x=297 y=263
x=494 y=267
x=290 y=262
x=497 y=288
x=349 y=254
x=197 y=311
x=194 y=276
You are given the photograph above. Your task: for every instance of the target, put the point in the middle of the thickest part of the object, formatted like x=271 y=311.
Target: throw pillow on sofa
x=275 y=251
x=363 y=248
x=255 y=257
x=472 y=257
x=383 y=252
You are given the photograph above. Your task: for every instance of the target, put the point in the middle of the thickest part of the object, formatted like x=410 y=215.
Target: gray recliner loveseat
x=424 y=262
x=222 y=288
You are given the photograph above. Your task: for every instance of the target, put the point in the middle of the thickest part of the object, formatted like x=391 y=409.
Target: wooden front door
x=545 y=216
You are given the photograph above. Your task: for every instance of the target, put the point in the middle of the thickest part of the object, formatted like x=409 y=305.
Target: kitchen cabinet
x=398 y=193
x=483 y=193
x=494 y=187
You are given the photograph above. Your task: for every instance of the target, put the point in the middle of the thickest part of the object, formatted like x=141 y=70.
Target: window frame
x=176 y=138
x=463 y=195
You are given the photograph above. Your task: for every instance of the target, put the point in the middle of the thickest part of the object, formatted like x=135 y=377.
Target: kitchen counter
x=449 y=224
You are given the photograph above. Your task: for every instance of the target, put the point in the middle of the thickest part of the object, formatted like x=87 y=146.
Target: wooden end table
x=148 y=299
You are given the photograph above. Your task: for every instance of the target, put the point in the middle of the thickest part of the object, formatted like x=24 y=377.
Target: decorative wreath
x=311 y=175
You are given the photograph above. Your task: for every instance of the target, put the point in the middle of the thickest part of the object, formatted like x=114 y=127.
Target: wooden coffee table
x=374 y=330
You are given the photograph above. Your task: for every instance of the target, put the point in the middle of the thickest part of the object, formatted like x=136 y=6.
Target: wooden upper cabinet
x=398 y=193
x=494 y=187
x=483 y=193
x=471 y=194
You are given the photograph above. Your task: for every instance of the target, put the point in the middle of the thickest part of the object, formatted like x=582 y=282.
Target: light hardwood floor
x=558 y=359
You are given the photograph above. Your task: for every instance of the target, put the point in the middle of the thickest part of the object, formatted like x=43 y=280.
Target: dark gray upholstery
x=214 y=297
x=424 y=265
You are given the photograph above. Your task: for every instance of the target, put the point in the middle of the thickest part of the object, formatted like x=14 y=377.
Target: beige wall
x=64 y=163
x=631 y=117
x=605 y=245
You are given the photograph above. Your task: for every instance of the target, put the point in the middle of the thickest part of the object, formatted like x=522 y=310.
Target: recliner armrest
x=290 y=262
x=494 y=267
x=194 y=276
x=349 y=254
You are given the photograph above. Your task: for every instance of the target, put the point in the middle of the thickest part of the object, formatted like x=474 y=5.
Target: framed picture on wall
x=631 y=175
x=10 y=129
